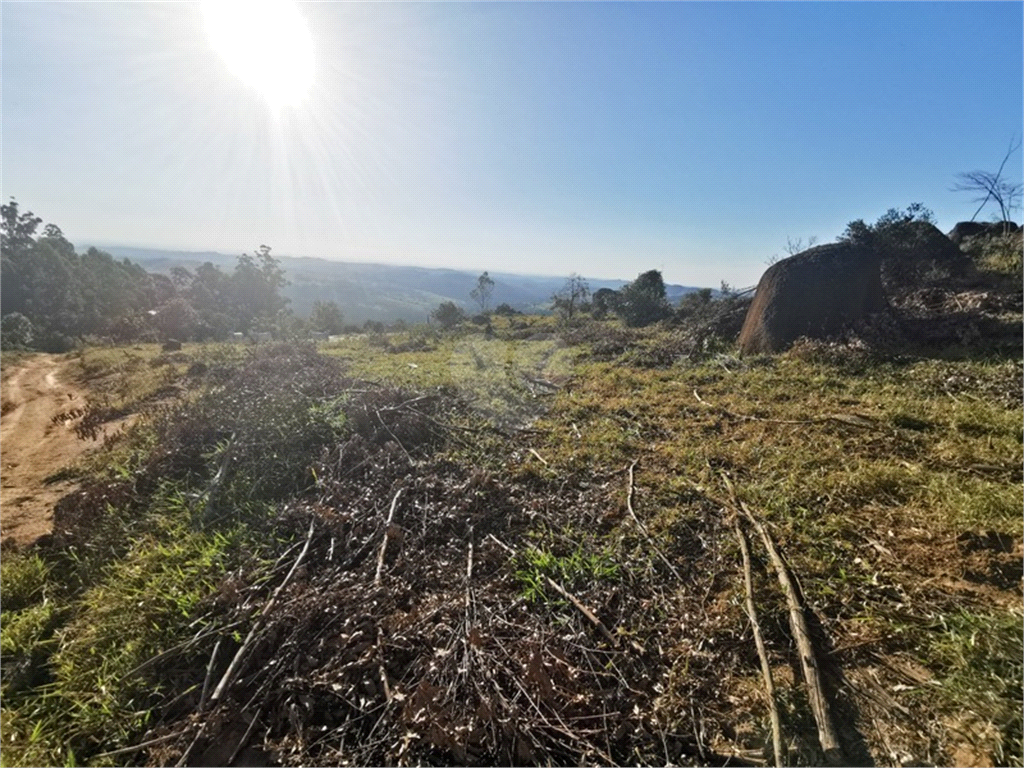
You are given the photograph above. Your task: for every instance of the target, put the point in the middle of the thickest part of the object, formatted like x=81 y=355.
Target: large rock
x=816 y=293
x=917 y=254
x=966 y=229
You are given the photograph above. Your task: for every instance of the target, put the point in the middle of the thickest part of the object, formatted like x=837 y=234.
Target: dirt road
x=33 y=446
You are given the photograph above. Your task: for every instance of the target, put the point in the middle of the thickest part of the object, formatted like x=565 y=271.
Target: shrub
x=448 y=314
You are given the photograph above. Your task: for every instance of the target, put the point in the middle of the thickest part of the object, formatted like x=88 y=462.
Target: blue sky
x=599 y=138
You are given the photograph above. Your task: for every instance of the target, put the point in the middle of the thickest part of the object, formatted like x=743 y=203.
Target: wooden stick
x=583 y=609
x=380 y=665
x=192 y=745
x=643 y=528
x=141 y=745
x=232 y=669
x=469 y=575
x=245 y=738
x=798 y=625
x=209 y=674
x=766 y=671
x=539 y=457
x=384 y=544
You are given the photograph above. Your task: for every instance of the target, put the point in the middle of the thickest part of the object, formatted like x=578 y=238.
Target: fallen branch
x=798 y=625
x=851 y=420
x=387 y=535
x=539 y=457
x=766 y=670
x=232 y=669
x=643 y=528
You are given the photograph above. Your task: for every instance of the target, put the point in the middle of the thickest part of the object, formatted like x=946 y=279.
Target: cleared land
x=427 y=549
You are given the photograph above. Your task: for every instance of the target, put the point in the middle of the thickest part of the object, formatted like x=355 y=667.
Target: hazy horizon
x=537 y=139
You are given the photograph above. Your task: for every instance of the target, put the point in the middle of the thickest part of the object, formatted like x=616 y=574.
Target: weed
x=537 y=565
x=23 y=579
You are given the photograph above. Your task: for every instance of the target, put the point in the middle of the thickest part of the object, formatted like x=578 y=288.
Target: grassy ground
x=892 y=486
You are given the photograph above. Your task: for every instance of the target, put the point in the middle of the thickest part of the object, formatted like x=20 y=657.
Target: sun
x=266 y=44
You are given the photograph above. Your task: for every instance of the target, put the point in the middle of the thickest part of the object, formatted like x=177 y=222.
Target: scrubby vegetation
x=515 y=542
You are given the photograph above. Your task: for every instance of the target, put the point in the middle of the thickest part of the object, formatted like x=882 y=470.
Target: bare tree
x=992 y=186
x=793 y=247
x=482 y=293
x=572 y=296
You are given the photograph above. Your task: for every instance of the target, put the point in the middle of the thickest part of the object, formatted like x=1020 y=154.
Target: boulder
x=918 y=254
x=171 y=345
x=816 y=293
x=966 y=229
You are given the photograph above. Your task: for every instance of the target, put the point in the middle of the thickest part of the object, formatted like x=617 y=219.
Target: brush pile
x=414 y=609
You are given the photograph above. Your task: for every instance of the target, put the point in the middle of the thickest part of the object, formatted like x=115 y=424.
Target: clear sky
x=549 y=138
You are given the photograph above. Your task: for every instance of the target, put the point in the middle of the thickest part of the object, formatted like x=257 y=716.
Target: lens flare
x=266 y=44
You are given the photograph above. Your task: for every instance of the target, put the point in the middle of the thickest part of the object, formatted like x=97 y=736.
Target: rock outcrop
x=966 y=229
x=816 y=293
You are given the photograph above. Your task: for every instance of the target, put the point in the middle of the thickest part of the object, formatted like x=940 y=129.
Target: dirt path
x=33 y=446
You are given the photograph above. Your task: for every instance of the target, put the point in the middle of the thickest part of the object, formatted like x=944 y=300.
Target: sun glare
x=266 y=44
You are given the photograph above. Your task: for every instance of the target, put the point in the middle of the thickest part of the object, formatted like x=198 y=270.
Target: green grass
x=539 y=564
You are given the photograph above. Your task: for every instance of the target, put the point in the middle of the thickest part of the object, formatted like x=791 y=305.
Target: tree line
x=639 y=303
x=50 y=295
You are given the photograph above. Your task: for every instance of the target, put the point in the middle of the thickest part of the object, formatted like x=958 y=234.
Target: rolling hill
x=382 y=292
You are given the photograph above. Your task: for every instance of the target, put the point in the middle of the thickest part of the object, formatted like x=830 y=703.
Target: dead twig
x=852 y=420
x=805 y=646
x=387 y=535
x=643 y=528
x=209 y=675
x=245 y=738
x=539 y=457
x=232 y=669
x=140 y=745
x=766 y=670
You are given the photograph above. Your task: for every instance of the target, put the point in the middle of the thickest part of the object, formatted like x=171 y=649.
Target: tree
x=16 y=332
x=605 y=300
x=176 y=320
x=895 y=230
x=643 y=301
x=571 y=298
x=992 y=187
x=17 y=230
x=482 y=293
x=448 y=314
x=254 y=289
x=326 y=317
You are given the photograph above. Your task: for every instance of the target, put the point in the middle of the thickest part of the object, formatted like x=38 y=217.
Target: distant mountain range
x=381 y=291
